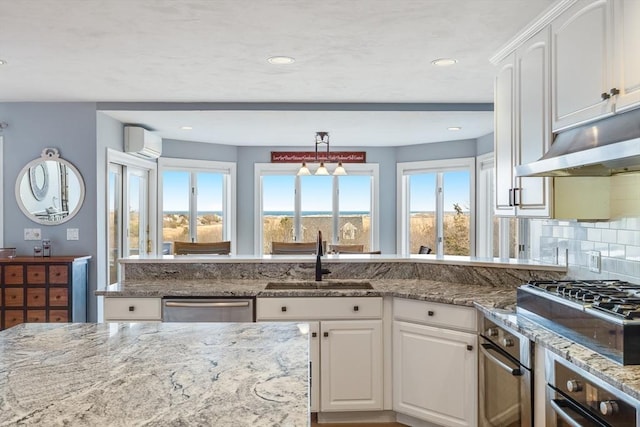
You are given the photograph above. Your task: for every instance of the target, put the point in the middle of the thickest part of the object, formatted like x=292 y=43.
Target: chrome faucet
x=319 y=252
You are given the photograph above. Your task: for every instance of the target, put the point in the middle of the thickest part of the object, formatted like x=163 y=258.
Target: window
x=294 y=208
x=436 y=206
x=131 y=207
x=198 y=201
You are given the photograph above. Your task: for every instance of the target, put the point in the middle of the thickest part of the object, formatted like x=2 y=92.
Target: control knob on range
x=574 y=386
x=608 y=407
x=492 y=332
x=507 y=342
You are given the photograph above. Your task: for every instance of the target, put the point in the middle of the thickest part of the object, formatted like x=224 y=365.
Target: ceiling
x=362 y=68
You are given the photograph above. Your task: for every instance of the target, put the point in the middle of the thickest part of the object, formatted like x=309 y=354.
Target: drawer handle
x=356 y=308
x=470 y=347
x=132 y=308
x=283 y=308
x=314 y=334
x=431 y=313
x=325 y=334
x=35 y=297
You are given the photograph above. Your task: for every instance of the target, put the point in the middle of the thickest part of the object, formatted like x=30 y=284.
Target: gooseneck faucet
x=319 y=252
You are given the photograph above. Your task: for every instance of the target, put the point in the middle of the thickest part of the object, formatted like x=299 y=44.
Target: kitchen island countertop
x=128 y=374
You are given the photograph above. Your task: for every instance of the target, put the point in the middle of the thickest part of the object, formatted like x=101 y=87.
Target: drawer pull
x=314 y=334
x=283 y=308
x=356 y=308
x=431 y=313
x=325 y=334
x=132 y=308
x=470 y=347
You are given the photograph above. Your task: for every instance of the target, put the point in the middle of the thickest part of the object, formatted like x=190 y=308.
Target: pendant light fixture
x=322 y=138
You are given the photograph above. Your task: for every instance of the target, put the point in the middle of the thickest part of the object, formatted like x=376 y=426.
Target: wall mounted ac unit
x=142 y=143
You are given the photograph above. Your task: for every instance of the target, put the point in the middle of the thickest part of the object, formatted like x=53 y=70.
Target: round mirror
x=50 y=190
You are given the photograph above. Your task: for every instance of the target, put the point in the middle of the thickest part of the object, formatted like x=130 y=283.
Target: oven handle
x=563 y=406
x=206 y=304
x=516 y=372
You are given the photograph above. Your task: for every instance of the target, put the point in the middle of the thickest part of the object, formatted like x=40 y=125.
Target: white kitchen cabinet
x=626 y=72
x=132 y=309
x=522 y=129
x=582 y=78
x=435 y=376
x=346 y=348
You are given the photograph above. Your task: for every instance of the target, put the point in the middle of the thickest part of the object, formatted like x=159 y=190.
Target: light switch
x=32 y=234
x=73 y=234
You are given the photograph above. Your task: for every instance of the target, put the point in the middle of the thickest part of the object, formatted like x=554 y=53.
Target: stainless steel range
x=603 y=315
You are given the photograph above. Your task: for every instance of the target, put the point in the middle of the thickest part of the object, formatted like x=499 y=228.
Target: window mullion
x=439 y=214
x=297 y=203
x=193 y=206
x=335 y=223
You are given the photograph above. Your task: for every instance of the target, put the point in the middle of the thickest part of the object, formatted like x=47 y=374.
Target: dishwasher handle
x=221 y=304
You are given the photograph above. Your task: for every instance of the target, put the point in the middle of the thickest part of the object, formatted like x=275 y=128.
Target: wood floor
x=314 y=423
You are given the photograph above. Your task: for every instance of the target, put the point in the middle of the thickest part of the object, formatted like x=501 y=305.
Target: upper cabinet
x=522 y=130
x=595 y=66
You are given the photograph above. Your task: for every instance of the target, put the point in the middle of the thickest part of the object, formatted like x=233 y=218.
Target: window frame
x=364 y=169
x=229 y=197
x=485 y=196
x=404 y=170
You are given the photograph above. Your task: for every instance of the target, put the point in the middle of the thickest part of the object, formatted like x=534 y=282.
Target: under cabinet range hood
x=607 y=147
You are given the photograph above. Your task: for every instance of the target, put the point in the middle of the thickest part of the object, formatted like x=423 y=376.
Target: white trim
x=229 y=193
x=261 y=169
x=485 y=205
x=404 y=169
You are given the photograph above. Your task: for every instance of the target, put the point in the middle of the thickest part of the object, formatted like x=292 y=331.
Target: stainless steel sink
x=313 y=285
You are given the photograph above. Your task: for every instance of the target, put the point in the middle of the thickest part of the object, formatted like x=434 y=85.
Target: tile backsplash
x=570 y=242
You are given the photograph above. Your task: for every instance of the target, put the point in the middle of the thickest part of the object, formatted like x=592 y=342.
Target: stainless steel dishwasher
x=208 y=310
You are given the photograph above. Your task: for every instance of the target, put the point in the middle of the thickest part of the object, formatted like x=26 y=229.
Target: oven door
x=505 y=388
x=564 y=412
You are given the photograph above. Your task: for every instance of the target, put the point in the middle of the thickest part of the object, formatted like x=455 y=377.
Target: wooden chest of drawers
x=43 y=290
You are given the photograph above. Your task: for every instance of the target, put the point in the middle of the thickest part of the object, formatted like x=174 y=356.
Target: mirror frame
x=38 y=192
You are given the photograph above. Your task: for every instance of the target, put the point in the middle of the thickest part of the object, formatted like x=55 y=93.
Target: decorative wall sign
x=310 y=156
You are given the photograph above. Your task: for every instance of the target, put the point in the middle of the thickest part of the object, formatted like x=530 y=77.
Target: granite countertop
x=128 y=374
x=425 y=290
x=625 y=378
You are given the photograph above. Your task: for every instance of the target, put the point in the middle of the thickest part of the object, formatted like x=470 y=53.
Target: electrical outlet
x=73 y=234
x=594 y=261
x=32 y=234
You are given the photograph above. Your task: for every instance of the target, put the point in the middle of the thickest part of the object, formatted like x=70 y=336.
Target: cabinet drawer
x=36 y=275
x=58 y=316
x=319 y=308
x=36 y=297
x=58 y=274
x=13 y=317
x=13 y=297
x=132 y=309
x=13 y=275
x=436 y=314
x=36 y=316
x=58 y=297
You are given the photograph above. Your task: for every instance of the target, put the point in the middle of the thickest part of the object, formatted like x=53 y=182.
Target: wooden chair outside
x=424 y=250
x=215 y=248
x=294 y=248
x=347 y=249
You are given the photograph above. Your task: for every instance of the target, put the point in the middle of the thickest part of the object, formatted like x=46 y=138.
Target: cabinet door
x=314 y=365
x=532 y=196
x=351 y=371
x=435 y=374
x=627 y=45
x=504 y=134
x=582 y=63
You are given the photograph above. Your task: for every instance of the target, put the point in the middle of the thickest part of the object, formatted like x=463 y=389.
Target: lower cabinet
x=346 y=349
x=435 y=367
x=132 y=309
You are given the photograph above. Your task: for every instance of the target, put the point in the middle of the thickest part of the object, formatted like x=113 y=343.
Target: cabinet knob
x=507 y=342
x=356 y=308
x=609 y=407
x=605 y=96
x=614 y=91
x=470 y=347
x=132 y=308
x=430 y=313
x=314 y=334
x=574 y=386
x=325 y=334
x=492 y=332
x=283 y=308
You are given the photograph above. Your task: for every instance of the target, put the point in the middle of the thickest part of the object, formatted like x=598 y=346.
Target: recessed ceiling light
x=443 y=62
x=281 y=60
x=454 y=128
x=186 y=127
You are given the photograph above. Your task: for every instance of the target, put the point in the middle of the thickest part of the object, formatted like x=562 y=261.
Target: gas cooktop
x=603 y=315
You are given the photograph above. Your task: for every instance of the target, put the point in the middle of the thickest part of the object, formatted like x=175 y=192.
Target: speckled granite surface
x=625 y=378
x=151 y=374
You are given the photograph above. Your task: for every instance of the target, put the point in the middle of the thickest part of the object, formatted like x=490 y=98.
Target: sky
x=423 y=191
x=175 y=196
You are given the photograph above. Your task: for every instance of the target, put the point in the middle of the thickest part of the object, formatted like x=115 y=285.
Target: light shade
x=304 y=170
x=340 y=171
x=322 y=170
